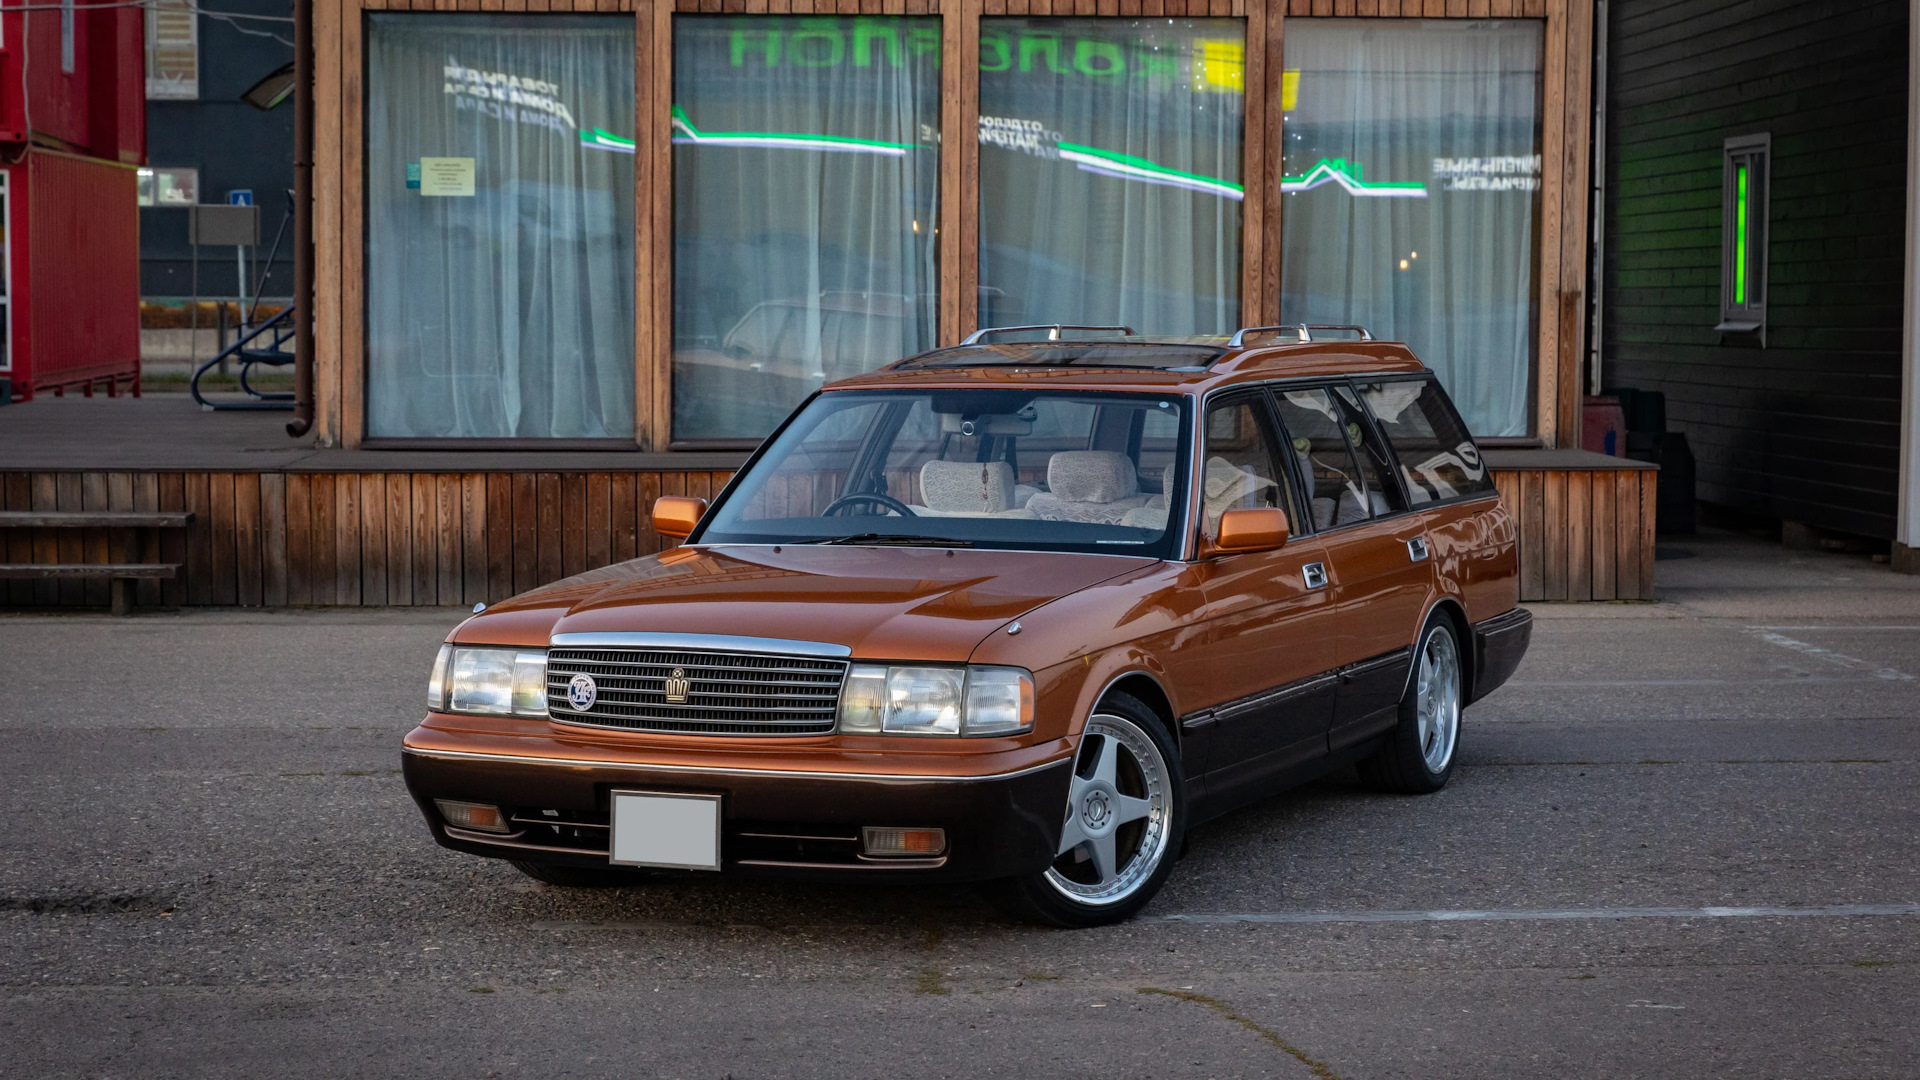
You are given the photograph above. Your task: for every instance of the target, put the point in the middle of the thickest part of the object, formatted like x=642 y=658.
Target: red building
x=70 y=145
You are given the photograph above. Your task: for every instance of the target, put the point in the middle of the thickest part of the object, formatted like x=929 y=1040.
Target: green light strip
x=1347 y=175
x=1126 y=165
x=781 y=140
x=1740 y=233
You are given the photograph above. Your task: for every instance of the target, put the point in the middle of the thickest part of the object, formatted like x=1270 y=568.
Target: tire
x=1124 y=825
x=1419 y=753
x=579 y=877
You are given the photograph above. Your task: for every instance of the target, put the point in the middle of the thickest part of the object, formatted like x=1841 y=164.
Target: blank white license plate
x=677 y=831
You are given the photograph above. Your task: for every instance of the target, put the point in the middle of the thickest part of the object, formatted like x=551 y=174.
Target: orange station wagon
x=1020 y=611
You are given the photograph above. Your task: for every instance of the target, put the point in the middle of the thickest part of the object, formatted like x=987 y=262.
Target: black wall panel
x=1808 y=427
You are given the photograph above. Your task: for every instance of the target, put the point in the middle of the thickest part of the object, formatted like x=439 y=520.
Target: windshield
x=1051 y=471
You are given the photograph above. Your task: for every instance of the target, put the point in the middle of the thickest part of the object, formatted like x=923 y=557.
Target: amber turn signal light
x=676 y=515
x=479 y=817
x=878 y=840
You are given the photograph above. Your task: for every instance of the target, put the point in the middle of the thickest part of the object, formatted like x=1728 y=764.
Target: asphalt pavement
x=1681 y=843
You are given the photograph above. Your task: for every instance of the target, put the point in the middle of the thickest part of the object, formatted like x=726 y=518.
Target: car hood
x=884 y=603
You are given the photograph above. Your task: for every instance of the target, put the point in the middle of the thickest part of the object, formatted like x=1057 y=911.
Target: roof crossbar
x=1052 y=329
x=1304 y=330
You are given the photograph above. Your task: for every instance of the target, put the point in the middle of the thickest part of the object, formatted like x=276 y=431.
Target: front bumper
x=775 y=822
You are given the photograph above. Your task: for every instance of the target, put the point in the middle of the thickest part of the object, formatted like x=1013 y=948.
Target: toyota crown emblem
x=678 y=685
x=581 y=692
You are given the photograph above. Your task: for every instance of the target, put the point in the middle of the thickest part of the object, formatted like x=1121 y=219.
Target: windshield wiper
x=894 y=540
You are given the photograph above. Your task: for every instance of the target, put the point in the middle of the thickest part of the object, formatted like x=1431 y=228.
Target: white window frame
x=177 y=14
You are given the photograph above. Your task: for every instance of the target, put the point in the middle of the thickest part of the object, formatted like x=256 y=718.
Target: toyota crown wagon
x=1018 y=611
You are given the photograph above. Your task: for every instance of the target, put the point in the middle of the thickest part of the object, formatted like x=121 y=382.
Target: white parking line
x=1909 y=629
x=1845 y=911
x=1841 y=659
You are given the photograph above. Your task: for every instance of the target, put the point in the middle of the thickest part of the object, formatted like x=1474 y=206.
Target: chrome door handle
x=1315 y=575
x=1417 y=549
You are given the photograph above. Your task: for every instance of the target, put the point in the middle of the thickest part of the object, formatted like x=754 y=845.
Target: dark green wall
x=1808 y=428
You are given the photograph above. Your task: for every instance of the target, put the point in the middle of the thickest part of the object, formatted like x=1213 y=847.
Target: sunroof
x=1151 y=355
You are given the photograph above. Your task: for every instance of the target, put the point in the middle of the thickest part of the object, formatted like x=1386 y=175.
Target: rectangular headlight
x=924 y=700
x=999 y=700
x=497 y=682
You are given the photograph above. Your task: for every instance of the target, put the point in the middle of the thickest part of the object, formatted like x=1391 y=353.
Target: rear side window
x=1437 y=457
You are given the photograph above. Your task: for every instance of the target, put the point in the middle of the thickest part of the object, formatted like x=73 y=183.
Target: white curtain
x=1412 y=159
x=805 y=168
x=1110 y=159
x=507 y=312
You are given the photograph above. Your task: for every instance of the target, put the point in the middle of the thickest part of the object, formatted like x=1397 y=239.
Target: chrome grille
x=726 y=693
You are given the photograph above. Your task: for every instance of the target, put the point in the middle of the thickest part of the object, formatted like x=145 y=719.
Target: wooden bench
x=120 y=576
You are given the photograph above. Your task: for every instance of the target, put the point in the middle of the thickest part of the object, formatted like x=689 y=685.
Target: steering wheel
x=875 y=497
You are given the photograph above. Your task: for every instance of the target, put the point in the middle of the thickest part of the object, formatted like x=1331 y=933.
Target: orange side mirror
x=1262 y=528
x=675 y=515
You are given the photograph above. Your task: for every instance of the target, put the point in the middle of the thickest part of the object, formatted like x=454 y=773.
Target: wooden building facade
x=357 y=161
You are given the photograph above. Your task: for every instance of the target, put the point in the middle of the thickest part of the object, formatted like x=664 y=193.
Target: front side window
x=1110 y=159
x=805 y=168
x=499 y=226
x=1411 y=176
x=1242 y=470
x=1437 y=458
x=972 y=468
x=1743 y=233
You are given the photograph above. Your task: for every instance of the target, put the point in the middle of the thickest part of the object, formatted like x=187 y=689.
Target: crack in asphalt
x=1318 y=1068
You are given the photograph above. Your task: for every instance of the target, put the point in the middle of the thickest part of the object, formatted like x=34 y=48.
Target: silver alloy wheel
x=1437 y=704
x=1119 y=811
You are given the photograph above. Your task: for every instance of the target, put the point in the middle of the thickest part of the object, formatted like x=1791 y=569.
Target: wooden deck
x=277 y=524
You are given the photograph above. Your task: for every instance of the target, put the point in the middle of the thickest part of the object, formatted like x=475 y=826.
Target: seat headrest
x=1098 y=476
x=967 y=486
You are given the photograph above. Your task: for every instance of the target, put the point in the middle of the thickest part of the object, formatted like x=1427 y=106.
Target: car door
x=1377 y=558
x=1265 y=669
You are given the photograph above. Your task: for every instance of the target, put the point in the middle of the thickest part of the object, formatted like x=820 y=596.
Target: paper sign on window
x=446 y=176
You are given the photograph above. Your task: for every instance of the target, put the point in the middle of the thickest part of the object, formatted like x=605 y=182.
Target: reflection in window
x=1110 y=188
x=1438 y=460
x=1242 y=472
x=499 y=230
x=1412 y=176
x=1345 y=490
x=806 y=161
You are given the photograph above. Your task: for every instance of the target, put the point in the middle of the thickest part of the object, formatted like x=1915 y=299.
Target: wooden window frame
x=339 y=217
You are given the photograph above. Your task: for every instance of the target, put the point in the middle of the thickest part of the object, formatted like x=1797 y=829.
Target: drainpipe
x=1598 y=255
x=302 y=421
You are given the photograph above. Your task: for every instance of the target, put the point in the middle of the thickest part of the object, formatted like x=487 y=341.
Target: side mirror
x=675 y=515
x=1255 y=529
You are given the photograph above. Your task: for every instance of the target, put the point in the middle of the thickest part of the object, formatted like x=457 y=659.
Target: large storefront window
x=1412 y=170
x=805 y=168
x=499 y=226
x=1110 y=157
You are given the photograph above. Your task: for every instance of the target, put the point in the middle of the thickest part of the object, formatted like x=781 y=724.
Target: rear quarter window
x=1436 y=456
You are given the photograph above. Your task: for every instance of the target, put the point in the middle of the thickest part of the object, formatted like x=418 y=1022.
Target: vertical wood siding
x=1808 y=428
x=457 y=539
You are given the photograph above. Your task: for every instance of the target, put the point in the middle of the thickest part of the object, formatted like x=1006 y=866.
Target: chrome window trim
x=730 y=770
x=629 y=639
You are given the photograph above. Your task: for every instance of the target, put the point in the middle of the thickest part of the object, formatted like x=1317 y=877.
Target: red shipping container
x=70 y=147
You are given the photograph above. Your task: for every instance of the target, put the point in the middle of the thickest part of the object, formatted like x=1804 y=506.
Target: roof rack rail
x=1305 y=331
x=1053 y=331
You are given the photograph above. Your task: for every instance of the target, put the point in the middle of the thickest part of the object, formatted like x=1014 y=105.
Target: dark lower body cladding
x=773 y=824
x=1499 y=644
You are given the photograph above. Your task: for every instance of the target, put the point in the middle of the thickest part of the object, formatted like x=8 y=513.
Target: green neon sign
x=1740 y=170
x=1347 y=174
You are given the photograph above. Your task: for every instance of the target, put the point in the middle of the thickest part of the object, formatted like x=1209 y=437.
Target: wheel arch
x=1142 y=686
x=1449 y=608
